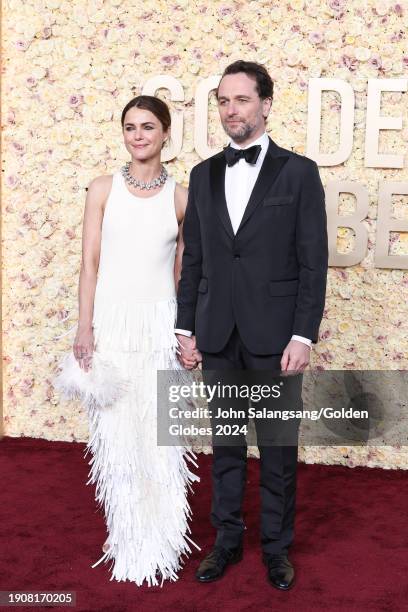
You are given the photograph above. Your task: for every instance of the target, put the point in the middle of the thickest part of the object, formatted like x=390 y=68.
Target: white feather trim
x=100 y=387
x=140 y=486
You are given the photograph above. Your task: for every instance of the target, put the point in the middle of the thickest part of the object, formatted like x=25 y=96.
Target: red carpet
x=351 y=550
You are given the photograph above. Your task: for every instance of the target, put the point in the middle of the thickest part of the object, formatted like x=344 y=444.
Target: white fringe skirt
x=142 y=487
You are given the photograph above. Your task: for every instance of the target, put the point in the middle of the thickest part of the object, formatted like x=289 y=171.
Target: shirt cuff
x=183 y=332
x=302 y=339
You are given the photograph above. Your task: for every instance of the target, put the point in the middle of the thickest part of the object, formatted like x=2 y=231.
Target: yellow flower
x=90 y=99
x=297 y=5
x=343 y=327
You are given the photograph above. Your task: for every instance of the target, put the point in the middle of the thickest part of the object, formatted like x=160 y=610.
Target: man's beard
x=239 y=133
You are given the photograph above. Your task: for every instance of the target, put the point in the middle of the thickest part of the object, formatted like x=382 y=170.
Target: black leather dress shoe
x=213 y=566
x=281 y=573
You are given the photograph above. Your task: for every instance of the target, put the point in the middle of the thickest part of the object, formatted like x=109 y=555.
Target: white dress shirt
x=239 y=183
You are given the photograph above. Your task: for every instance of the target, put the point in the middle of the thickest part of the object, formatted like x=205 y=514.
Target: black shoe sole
x=292 y=584
x=233 y=562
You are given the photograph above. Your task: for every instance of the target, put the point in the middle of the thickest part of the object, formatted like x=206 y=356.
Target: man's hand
x=296 y=357
x=188 y=354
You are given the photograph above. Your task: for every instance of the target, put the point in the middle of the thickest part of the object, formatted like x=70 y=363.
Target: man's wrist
x=183 y=332
x=302 y=339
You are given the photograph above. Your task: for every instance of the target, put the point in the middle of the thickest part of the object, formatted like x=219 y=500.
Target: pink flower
x=396 y=36
x=26 y=386
x=22 y=45
x=12 y=181
x=18 y=147
x=315 y=38
x=170 y=60
x=337 y=5
x=398 y=9
x=75 y=100
x=46 y=258
x=62 y=314
x=224 y=11
x=349 y=62
x=26 y=218
x=11 y=117
x=375 y=61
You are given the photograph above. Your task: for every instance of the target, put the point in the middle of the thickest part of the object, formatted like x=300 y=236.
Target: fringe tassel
x=141 y=487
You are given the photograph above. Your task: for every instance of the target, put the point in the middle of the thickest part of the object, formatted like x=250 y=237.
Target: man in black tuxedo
x=251 y=297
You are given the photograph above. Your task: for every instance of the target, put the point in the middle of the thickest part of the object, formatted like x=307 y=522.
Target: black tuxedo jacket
x=270 y=277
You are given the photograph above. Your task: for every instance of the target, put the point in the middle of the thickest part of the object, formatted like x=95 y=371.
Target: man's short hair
x=264 y=83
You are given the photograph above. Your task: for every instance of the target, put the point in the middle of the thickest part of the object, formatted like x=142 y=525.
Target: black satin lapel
x=217 y=183
x=268 y=173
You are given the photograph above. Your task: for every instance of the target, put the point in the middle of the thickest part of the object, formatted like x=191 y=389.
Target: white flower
x=362 y=53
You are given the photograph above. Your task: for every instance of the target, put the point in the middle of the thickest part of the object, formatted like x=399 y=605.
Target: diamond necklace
x=156 y=182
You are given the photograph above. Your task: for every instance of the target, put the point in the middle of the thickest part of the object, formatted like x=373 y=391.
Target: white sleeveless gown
x=141 y=486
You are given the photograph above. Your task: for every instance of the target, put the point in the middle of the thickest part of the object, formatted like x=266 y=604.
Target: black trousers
x=277 y=466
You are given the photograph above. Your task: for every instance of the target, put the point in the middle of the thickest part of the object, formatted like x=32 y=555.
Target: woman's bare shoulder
x=98 y=191
x=101 y=184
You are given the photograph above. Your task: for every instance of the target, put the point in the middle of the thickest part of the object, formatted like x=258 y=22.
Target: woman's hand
x=198 y=357
x=84 y=347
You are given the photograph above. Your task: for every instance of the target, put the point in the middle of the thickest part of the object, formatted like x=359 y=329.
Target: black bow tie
x=250 y=155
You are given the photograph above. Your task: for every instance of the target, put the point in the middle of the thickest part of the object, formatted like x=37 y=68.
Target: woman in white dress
x=131 y=259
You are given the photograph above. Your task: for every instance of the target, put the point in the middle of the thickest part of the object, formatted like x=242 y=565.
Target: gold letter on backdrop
x=316 y=86
x=201 y=116
x=165 y=81
x=375 y=122
x=354 y=221
x=386 y=224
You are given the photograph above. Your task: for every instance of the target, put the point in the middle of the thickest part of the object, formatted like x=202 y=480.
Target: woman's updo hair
x=156 y=106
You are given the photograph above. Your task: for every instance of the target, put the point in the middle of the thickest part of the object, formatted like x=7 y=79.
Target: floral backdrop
x=69 y=67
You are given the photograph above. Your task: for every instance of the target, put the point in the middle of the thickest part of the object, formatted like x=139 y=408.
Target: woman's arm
x=180 y=198
x=192 y=357
x=91 y=243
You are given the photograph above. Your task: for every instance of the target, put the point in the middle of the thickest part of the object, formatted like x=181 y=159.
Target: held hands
x=188 y=354
x=83 y=348
x=296 y=357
